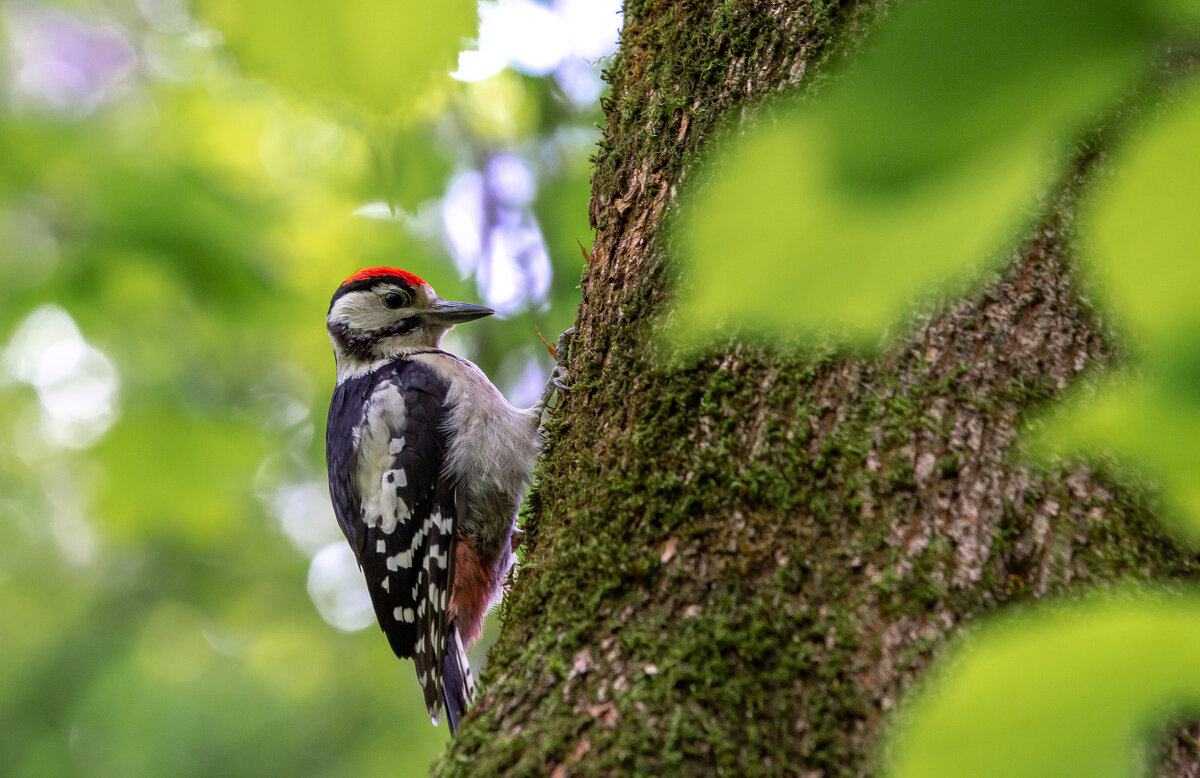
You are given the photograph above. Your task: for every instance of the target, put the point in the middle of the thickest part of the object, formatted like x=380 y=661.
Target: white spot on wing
x=401 y=561
x=387 y=504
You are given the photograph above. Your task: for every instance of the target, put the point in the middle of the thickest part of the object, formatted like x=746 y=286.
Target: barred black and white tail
x=458 y=687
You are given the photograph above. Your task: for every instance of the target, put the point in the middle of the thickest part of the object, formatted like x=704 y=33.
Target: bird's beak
x=446 y=312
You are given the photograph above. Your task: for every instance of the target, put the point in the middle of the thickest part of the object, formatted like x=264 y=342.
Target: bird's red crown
x=382 y=273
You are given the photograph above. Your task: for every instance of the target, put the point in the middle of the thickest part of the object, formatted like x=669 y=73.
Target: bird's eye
x=394 y=300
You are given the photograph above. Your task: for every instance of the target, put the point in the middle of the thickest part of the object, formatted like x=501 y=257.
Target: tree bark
x=738 y=562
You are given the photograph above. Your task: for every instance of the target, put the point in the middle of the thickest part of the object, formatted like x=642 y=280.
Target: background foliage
x=173 y=229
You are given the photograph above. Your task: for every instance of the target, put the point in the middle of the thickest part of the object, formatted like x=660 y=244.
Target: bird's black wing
x=408 y=518
x=341 y=452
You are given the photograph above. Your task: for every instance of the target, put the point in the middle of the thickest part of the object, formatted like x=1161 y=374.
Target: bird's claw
x=564 y=344
x=562 y=376
x=560 y=379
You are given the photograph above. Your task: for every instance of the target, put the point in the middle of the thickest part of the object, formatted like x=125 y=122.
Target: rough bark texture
x=738 y=562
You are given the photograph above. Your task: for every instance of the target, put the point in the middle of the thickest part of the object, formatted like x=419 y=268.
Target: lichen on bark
x=737 y=560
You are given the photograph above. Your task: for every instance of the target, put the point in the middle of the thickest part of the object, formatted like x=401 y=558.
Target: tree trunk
x=739 y=562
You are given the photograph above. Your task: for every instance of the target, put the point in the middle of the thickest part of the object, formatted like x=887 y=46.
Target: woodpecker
x=427 y=465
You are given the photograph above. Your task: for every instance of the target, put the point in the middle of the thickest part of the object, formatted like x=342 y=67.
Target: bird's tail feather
x=458 y=687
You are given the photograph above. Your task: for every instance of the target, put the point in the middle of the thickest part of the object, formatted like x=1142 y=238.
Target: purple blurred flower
x=493 y=233
x=62 y=64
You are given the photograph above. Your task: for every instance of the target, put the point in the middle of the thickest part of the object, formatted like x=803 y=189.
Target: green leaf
x=377 y=55
x=1179 y=13
x=922 y=161
x=1144 y=230
x=779 y=242
x=410 y=164
x=1152 y=422
x=950 y=79
x=1060 y=691
x=172 y=476
x=1145 y=241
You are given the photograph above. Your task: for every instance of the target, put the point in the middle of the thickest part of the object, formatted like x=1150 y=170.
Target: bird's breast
x=491 y=450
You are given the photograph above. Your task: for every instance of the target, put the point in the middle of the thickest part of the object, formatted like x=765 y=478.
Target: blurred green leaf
x=920 y=163
x=1145 y=243
x=950 y=79
x=778 y=242
x=1060 y=691
x=194 y=231
x=377 y=55
x=562 y=209
x=410 y=164
x=1144 y=230
x=1181 y=13
x=1151 y=421
x=200 y=487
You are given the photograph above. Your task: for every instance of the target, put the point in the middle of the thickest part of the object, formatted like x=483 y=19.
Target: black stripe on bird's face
x=364 y=345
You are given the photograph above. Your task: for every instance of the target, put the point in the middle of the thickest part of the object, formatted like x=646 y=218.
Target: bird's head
x=381 y=312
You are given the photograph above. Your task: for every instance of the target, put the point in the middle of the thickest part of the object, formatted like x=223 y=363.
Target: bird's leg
x=560 y=379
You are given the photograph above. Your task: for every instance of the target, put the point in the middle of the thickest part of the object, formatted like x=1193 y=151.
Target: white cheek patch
x=365 y=310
